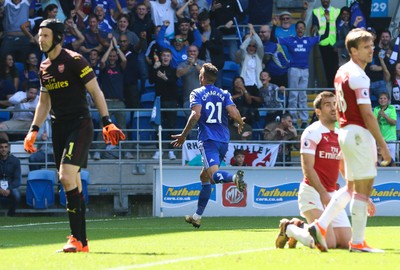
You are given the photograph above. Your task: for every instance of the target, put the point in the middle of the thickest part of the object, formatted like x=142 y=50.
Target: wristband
x=34 y=128
x=106 y=120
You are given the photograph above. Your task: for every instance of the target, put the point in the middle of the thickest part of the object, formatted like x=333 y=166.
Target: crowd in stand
x=131 y=43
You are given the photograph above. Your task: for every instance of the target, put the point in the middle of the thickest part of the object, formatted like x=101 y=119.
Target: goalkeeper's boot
x=194 y=222
x=73 y=245
x=239 y=182
x=86 y=248
x=319 y=235
x=282 y=238
x=363 y=248
x=299 y=223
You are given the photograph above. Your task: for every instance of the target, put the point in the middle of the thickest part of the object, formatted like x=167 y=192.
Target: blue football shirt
x=213 y=123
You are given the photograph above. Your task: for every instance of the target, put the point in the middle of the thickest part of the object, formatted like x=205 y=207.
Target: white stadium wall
x=270 y=192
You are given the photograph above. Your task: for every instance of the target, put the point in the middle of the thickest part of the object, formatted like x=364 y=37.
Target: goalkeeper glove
x=30 y=140
x=111 y=134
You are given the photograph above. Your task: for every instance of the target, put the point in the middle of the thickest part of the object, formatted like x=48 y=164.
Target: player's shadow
x=130 y=253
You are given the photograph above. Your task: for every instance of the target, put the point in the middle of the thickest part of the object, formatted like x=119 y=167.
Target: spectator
x=243 y=99
x=7 y=89
x=21 y=120
x=142 y=25
x=154 y=49
x=112 y=66
x=251 y=55
x=282 y=131
x=44 y=153
x=10 y=170
x=377 y=70
x=122 y=28
x=131 y=89
x=184 y=29
x=14 y=41
x=179 y=47
x=395 y=93
x=161 y=11
x=94 y=61
x=73 y=37
x=343 y=28
x=94 y=37
x=61 y=15
x=31 y=72
x=8 y=70
x=270 y=92
x=125 y=7
x=357 y=12
x=189 y=71
x=108 y=10
x=394 y=45
x=324 y=17
x=299 y=48
x=274 y=60
x=223 y=14
x=106 y=23
x=140 y=21
x=163 y=75
x=31 y=27
x=387 y=119
x=238 y=158
x=285 y=29
x=260 y=11
x=246 y=134
x=212 y=48
x=189 y=10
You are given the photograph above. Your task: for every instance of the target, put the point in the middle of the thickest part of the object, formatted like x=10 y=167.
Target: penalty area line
x=195 y=258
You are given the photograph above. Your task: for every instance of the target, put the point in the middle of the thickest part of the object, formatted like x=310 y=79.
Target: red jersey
x=352 y=89
x=318 y=140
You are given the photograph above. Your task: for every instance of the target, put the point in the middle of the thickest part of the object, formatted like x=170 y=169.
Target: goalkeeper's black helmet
x=57 y=27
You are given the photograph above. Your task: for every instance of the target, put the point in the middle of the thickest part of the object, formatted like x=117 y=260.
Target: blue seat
x=229 y=71
x=40 y=188
x=260 y=124
x=4 y=116
x=142 y=129
x=149 y=87
x=85 y=177
x=181 y=120
x=147 y=99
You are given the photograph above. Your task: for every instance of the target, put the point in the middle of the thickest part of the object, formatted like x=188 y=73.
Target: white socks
x=300 y=234
x=358 y=209
x=338 y=202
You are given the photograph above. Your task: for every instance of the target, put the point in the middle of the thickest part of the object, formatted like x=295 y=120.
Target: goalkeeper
x=64 y=77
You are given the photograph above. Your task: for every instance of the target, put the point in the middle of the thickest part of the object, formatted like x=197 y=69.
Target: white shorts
x=359 y=152
x=309 y=199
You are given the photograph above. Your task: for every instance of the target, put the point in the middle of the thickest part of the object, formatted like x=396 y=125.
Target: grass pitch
x=170 y=243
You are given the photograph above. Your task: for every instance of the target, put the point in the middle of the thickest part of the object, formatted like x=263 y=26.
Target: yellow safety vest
x=333 y=14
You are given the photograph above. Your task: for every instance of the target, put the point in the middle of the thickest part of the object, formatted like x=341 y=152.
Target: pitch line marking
x=210 y=256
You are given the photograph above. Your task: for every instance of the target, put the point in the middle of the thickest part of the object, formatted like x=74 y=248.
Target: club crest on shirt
x=61 y=68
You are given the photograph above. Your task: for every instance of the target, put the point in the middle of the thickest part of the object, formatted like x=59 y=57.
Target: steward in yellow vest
x=321 y=24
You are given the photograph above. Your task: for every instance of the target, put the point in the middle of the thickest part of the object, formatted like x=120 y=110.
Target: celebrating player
x=358 y=135
x=65 y=76
x=210 y=108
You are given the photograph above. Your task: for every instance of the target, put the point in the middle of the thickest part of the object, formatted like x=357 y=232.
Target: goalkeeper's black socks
x=74 y=212
x=83 y=220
